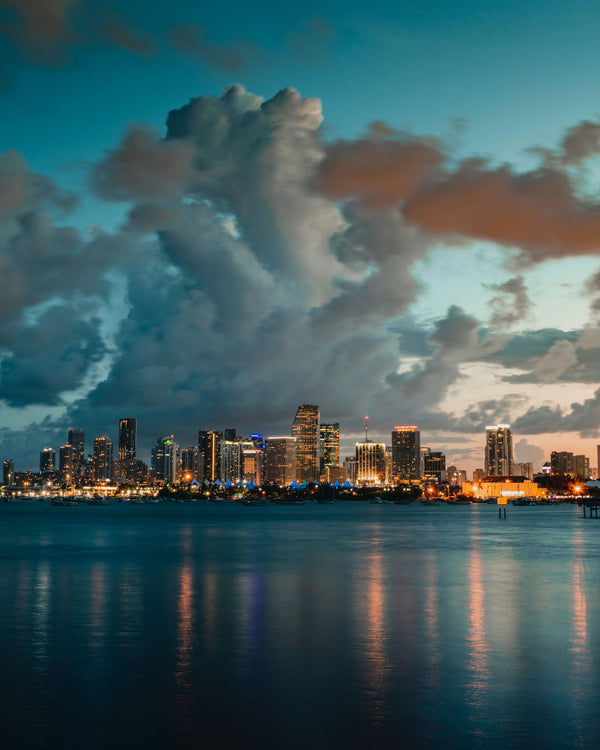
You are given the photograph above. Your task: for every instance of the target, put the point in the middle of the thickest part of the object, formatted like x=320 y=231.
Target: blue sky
x=489 y=81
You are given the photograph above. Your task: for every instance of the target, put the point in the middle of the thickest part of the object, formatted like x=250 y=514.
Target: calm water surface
x=203 y=625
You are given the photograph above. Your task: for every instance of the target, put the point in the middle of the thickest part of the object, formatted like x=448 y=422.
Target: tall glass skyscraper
x=77 y=440
x=127 y=446
x=305 y=429
x=330 y=444
x=406 y=453
x=498 y=450
x=103 y=458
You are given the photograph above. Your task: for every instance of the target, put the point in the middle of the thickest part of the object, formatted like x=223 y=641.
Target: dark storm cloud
x=49 y=357
x=243 y=290
x=583 y=418
x=19 y=188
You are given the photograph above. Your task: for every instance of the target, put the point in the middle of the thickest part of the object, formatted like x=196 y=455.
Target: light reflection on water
x=316 y=626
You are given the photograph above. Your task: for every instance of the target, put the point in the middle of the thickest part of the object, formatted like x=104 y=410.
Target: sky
x=209 y=215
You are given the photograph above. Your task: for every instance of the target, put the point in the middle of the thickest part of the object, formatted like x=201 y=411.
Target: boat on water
x=63 y=502
x=98 y=501
x=254 y=501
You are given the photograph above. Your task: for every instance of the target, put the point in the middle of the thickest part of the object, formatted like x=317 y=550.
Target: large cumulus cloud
x=260 y=266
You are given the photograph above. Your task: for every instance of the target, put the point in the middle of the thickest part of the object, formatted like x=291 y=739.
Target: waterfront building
x=370 y=463
x=329 y=435
x=66 y=460
x=406 y=453
x=479 y=474
x=498 y=450
x=305 y=429
x=77 y=440
x=562 y=463
x=581 y=465
x=434 y=466
x=189 y=463
x=127 y=446
x=8 y=473
x=209 y=454
x=47 y=460
x=504 y=488
x=252 y=463
x=231 y=460
x=164 y=460
x=281 y=460
x=350 y=469
x=524 y=469
x=102 y=459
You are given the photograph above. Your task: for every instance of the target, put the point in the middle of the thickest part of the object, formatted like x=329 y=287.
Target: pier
x=593 y=505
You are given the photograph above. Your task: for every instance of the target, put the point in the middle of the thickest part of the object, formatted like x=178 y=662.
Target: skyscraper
x=8 y=472
x=498 y=450
x=330 y=444
x=406 y=453
x=231 y=460
x=434 y=466
x=65 y=460
x=127 y=446
x=164 y=460
x=370 y=462
x=77 y=440
x=47 y=460
x=102 y=458
x=281 y=460
x=209 y=454
x=189 y=463
x=305 y=429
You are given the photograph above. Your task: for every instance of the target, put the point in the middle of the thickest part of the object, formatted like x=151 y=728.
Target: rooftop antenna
x=366 y=429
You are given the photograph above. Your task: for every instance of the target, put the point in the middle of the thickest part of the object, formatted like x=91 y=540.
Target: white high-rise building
x=498 y=450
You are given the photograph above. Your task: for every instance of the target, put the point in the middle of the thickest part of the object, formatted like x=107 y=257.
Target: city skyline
x=314 y=204
x=216 y=448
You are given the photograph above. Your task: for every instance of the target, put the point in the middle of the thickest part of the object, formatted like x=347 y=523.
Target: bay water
x=317 y=626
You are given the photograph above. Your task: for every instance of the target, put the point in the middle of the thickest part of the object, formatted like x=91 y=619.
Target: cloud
x=192 y=40
x=258 y=267
x=525 y=452
x=538 y=212
x=144 y=167
x=581 y=142
x=511 y=305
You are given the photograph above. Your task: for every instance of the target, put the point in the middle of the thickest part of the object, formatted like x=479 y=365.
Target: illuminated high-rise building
x=305 y=429
x=370 y=463
x=434 y=466
x=581 y=465
x=330 y=444
x=252 y=462
x=281 y=460
x=47 y=460
x=209 y=454
x=230 y=434
x=406 y=453
x=498 y=450
x=102 y=458
x=127 y=446
x=164 y=460
x=8 y=473
x=231 y=460
x=77 y=440
x=65 y=460
x=189 y=463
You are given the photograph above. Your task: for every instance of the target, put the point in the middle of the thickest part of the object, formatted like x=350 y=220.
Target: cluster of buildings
x=311 y=453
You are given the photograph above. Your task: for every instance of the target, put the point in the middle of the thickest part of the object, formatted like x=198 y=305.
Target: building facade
x=47 y=460
x=102 y=458
x=164 y=460
x=127 y=447
x=499 y=450
x=281 y=460
x=305 y=429
x=406 y=453
x=370 y=463
x=329 y=444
